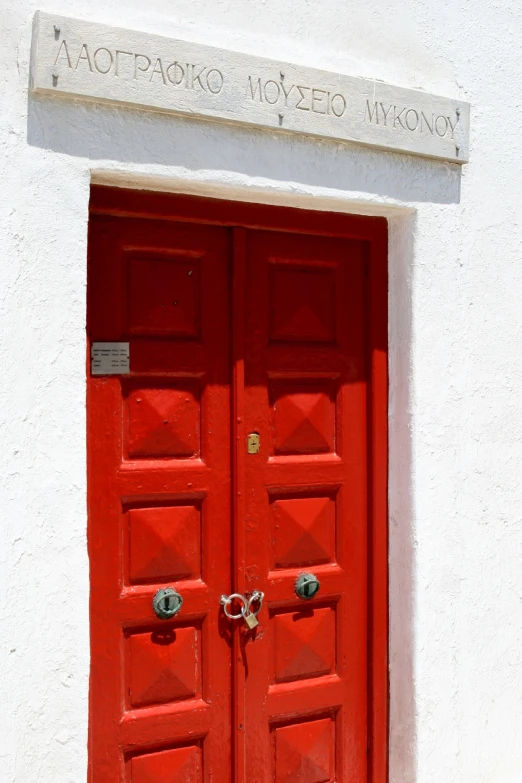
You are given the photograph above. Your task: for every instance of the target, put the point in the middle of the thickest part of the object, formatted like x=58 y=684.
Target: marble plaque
x=96 y=62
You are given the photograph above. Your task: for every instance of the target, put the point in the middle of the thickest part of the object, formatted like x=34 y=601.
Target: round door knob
x=307 y=586
x=166 y=603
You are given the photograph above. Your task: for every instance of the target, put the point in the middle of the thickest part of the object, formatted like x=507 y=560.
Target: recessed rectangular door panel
x=159 y=503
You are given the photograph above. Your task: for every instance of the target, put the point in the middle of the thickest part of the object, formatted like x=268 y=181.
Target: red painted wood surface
x=300 y=358
x=159 y=502
x=306 y=507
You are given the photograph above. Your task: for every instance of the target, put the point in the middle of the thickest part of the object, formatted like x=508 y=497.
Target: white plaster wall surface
x=455 y=347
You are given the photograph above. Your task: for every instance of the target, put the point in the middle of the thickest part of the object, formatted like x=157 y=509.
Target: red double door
x=232 y=332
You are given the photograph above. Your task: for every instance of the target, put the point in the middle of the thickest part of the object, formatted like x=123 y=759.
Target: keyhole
x=307 y=586
x=166 y=603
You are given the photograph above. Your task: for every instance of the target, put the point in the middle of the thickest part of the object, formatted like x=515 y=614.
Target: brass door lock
x=253 y=443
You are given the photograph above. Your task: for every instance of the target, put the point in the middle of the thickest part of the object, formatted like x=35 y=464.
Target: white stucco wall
x=455 y=342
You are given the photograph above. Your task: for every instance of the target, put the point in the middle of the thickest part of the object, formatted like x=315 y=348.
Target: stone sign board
x=96 y=62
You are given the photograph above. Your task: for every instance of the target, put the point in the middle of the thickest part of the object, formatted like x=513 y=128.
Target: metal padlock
x=250 y=620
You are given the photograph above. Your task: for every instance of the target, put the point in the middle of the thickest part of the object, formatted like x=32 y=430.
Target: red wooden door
x=159 y=503
x=232 y=331
x=305 y=509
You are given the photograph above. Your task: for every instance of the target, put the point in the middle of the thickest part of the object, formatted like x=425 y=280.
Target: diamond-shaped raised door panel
x=175 y=765
x=302 y=303
x=163 y=295
x=303 y=417
x=163 y=420
x=163 y=665
x=164 y=543
x=303 y=531
x=304 y=644
x=305 y=752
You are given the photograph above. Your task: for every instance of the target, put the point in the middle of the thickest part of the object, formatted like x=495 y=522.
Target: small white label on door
x=110 y=359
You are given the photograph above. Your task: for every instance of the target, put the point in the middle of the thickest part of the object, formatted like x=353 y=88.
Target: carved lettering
x=416 y=122
x=303 y=98
x=215 y=81
x=453 y=126
x=397 y=117
x=319 y=101
x=158 y=69
x=196 y=77
x=286 y=92
x=374 y=113
x=137 y=66
x=177 y=75
x=385 y=113
x=117 y=61
x=338 y=104
x=155 y=70
x=106 y=64
x=445 y=126
x=59 y=56
x=83 y=57
x=409 y=119
x=253 y=92
x=425 y=119
x=411 y=124
x=272 y=95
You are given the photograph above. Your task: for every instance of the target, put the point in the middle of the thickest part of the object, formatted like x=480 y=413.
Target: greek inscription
x=453 y=126
x=215 y=81
x=123 y=64
x=338 y=104
x=295 y=96
x=272 y=92
x=117 y=60
x=286 y=92
x=411 y=124
x=425 y=120
x=371 y=113
x=88 y=60
x=385 y=112
x=83 y=57
x=441 y=129
x=177 y=75
x=397 y=117
x=253 y=90
x=103 y=62
x=137 y=67
x=410 y=119
x=63 y=52
x=158 y=69
x=303 y=98
x=196 y=77
x=318 y=101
